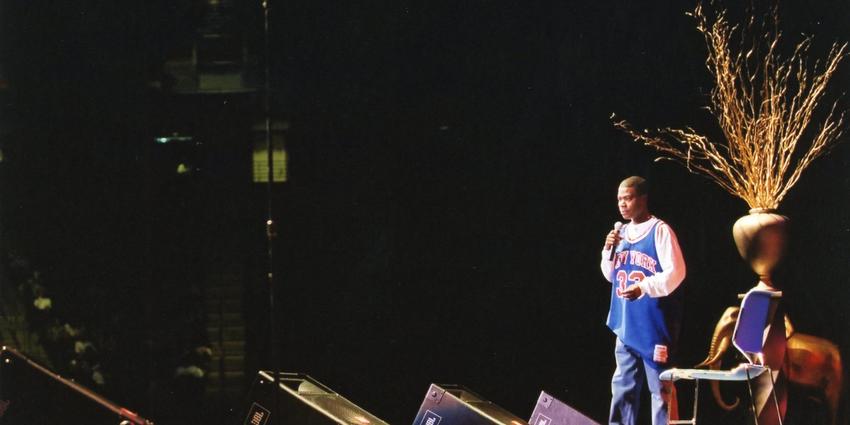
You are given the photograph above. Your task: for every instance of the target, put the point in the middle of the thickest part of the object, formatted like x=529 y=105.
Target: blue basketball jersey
x=648 y=325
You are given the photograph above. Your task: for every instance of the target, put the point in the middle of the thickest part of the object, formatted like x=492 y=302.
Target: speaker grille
x=341 y=408
x=315 y=397
x=450 y=404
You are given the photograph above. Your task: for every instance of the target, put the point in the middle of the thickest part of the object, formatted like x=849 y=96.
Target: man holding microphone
x=644 y=264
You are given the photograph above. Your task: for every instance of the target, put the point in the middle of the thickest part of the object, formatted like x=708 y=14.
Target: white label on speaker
x=258 y=415
x=431 y=418
x=542 y=420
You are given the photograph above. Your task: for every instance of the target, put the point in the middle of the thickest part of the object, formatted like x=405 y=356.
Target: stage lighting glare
x=361 y=420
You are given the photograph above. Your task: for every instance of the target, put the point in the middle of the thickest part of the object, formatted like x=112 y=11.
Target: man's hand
x=612 y=239
x=632 y=292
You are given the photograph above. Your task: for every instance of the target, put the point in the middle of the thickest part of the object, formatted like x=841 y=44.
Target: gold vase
x=760 y=238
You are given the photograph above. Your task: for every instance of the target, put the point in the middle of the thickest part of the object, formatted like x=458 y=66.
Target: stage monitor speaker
x=551 y=411
x=456 y=405
x=302 y=401
x=32 y=394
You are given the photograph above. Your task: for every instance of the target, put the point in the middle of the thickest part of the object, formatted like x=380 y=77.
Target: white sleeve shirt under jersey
x=669 y=256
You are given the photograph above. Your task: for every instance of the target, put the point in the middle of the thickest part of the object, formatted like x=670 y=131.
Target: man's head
x=632 y=199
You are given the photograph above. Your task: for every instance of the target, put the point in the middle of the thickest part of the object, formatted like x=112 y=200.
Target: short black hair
x=639 y=183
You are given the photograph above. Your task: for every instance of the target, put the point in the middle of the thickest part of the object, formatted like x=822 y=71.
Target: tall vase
x=760 y=238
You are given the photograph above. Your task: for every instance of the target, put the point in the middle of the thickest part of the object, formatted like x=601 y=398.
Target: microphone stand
x=271 y=226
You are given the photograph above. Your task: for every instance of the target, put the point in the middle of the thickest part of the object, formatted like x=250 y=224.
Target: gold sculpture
x=811 y=363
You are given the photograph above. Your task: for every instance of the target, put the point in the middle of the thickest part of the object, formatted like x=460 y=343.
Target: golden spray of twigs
x=764 y=103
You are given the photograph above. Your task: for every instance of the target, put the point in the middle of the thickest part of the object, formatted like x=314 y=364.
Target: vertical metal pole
x=752 y=399
x=696 y=401
x=271 y=231
x=773 y=391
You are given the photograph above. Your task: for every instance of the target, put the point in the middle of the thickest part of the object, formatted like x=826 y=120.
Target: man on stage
x=645 y=268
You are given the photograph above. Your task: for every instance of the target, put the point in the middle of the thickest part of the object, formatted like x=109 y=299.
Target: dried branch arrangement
x=764 y=104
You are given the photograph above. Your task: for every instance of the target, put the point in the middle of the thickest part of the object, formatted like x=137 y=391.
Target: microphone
x=617 y=226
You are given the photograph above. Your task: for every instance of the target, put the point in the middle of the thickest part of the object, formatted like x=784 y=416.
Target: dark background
x=453 y=172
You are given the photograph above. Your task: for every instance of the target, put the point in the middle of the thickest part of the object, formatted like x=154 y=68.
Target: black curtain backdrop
x=453 y=173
